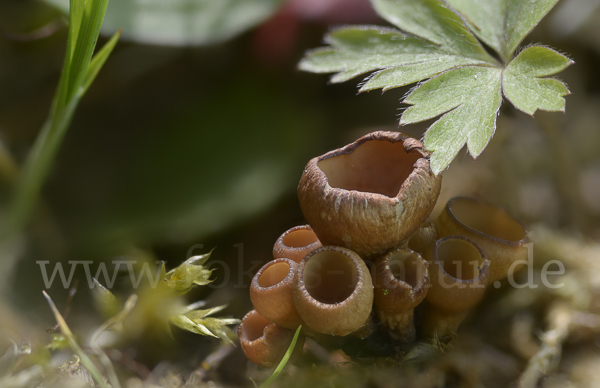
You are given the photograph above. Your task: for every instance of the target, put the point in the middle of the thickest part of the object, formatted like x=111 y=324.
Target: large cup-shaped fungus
x=333 y=291
x=271 y=293
x=371 y=195
x=401 y=280
x=263 y=342
x=296 y=243
x=502 y=237
x=459 y=273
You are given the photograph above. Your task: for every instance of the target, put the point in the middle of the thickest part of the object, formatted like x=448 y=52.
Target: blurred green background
x=197 y=130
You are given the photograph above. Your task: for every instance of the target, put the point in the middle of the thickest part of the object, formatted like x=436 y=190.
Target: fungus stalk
x=401 y=281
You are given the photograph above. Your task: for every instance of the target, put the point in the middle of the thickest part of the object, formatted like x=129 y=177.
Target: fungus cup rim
x=360 y=278
x=422 y=282
x=485 y=236
x=242 y=328
x=485 y=266
x=410 y=145
x=288 y=279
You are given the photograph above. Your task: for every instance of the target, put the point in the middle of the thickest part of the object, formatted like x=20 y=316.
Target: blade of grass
x=98 y=61
x=86 y=18
x=283 y=361
x=37 y=167
x=116 y=320
x=85 y=360
x=76 y=8
x=86 y=42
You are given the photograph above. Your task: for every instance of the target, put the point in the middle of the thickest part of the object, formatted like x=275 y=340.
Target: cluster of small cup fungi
x=370 y=274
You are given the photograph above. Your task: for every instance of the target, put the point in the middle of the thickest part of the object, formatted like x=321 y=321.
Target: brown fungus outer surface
x=423 y=240
x=401 y=281
x=271 y=293
x=263 y=342
x=296 y=243
x=333 y=291
x=502 y=237
x=459 y=271
x=371 y=195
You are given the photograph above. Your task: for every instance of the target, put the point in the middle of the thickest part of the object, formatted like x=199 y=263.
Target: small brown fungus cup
x=502 y=237
x=271 y=293
x=263 y=342
x=401 y=281
x=459 y=275
x=296 y=243
x=424 y=238
x=333 y=292
x=371 y=195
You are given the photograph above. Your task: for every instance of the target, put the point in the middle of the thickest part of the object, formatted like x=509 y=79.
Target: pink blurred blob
x=274 y=42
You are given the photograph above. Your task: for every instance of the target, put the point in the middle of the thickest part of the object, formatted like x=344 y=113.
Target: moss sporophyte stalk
x=358 y=275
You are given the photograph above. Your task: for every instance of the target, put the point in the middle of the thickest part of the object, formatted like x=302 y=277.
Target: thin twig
x=547 y=358
x=85 y=360
x=211 y=362
x=72 y=293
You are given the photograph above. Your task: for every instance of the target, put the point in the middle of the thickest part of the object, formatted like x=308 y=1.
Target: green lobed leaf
x=503 y=24
x=472 y=97
x=408 y=74
x=434 y=21
x=467 y=84
x=360 y=50
x=183 y=22
x=523 y=87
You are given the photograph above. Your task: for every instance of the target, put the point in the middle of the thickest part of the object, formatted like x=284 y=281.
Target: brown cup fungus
x=271 y=293
x=401 y=281
x=333 y=291
x=424 y=238
x=369 y=201
x=371 y=195
x=296 y=243
x=459 y=273
x=502 y=237
x=263 y=342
